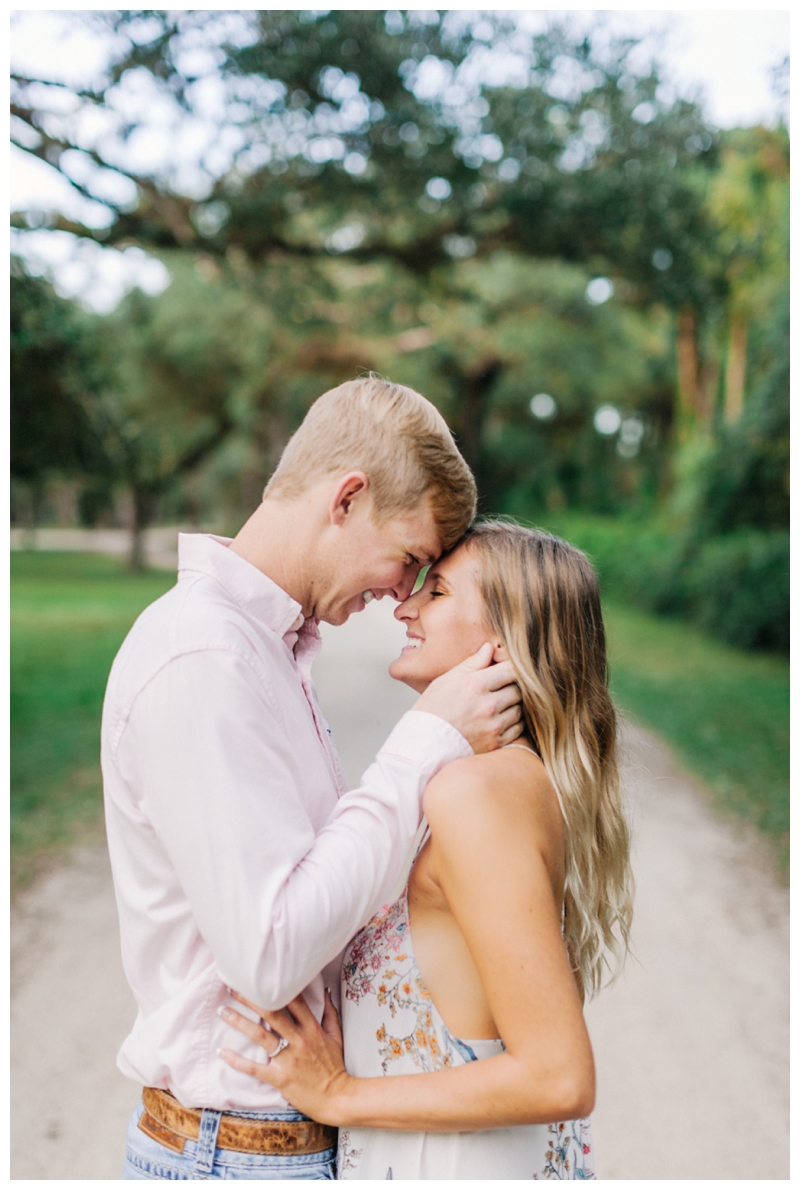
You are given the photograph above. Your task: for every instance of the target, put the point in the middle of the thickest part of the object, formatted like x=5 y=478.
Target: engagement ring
x=282 y=1044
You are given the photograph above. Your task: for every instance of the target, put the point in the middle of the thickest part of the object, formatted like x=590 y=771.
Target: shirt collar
x=205 y=553
x=305 y=644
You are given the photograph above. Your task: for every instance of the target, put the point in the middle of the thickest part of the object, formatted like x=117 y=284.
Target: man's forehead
x=418 y=533
x=423 y=540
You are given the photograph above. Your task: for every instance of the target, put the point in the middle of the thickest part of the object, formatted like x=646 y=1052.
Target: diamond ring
x=282 y=1045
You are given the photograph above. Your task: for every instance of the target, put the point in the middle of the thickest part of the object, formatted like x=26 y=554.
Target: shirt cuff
x=427 y=741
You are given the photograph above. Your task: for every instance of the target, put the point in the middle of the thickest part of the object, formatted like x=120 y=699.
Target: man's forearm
x=273 y=900
x=354 y=862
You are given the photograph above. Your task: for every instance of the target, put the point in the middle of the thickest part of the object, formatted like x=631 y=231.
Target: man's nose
x=406 y=586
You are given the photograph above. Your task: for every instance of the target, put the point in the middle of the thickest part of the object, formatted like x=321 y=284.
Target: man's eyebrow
x=422 y=556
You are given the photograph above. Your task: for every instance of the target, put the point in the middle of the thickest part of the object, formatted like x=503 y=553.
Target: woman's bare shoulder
x=494 y=814
x=503 y=783
x=509 y=766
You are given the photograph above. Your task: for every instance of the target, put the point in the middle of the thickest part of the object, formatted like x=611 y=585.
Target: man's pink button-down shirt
x=239 y=855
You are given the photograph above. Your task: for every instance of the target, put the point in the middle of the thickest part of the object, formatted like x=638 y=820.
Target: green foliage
x=136 y=399
x=733 y=564
x=726 y=712
x=175 y=368
x=636 y=559
x=735 y=586
x=745 y=478
x=748 y=199
x=533 y=323
x=717 y=551
x=380 y=137
x=69 y=615
x=386 y=203
x=52 y=366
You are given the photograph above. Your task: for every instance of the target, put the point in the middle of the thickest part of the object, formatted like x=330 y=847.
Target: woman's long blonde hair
x=543 y=602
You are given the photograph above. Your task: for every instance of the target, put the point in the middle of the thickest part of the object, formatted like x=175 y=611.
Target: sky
x=723 y=55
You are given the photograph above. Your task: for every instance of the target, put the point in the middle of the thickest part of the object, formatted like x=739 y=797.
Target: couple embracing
x=286 y=1011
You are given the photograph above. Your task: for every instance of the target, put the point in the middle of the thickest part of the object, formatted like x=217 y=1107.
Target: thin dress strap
x=426 y=834
x=533 y=752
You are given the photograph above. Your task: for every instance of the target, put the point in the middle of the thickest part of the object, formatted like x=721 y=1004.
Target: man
x=240 y=858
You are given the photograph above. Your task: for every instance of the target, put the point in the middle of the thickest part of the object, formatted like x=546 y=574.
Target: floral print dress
x=391 y=1026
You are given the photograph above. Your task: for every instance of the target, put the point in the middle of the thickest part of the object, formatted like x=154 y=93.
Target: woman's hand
x=309 y=1071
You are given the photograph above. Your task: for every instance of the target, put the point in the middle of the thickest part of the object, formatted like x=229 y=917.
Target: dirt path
x=691 y=1044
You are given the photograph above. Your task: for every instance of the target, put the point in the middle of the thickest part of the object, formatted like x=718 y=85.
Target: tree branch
x=25 y=81
x=198 y=453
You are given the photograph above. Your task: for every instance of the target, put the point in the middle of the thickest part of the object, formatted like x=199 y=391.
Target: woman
x=520 y=888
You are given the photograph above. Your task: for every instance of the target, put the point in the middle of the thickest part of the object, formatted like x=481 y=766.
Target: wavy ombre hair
x=543 y=602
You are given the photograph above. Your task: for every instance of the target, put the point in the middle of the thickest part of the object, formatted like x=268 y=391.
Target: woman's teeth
x=413 y=642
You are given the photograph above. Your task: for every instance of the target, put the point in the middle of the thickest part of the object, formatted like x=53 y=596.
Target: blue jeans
x=201 y=1160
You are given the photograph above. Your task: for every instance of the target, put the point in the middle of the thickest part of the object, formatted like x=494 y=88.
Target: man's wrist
x=425 y=734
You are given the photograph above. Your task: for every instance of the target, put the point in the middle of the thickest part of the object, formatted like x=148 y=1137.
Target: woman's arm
x=489 y=851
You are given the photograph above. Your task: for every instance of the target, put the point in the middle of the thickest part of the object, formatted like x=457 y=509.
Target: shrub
x=734 y=586
x=737 y=587
x=637 y=561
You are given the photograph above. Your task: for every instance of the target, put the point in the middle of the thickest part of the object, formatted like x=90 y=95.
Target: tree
x=483 y=337
x=52 y=371
x=745 y=480
x=749 y=199
x=385 y=136
x=576 y=160
x=139 y=399
x=178 y=369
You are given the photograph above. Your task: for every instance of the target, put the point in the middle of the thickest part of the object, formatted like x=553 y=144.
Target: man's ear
x=346 y=490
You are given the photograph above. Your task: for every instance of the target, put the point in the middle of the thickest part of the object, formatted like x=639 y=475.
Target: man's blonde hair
x=397 y=438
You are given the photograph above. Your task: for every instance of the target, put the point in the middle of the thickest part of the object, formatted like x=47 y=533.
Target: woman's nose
x=407 y=610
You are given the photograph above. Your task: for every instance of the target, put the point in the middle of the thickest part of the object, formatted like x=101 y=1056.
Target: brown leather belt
x=171 y=1124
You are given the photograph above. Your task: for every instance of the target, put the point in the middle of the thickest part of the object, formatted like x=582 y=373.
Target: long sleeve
x=277 y=873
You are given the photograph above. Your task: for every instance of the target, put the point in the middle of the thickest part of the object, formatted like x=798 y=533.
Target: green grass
x=69 y=615
x=725 y=711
